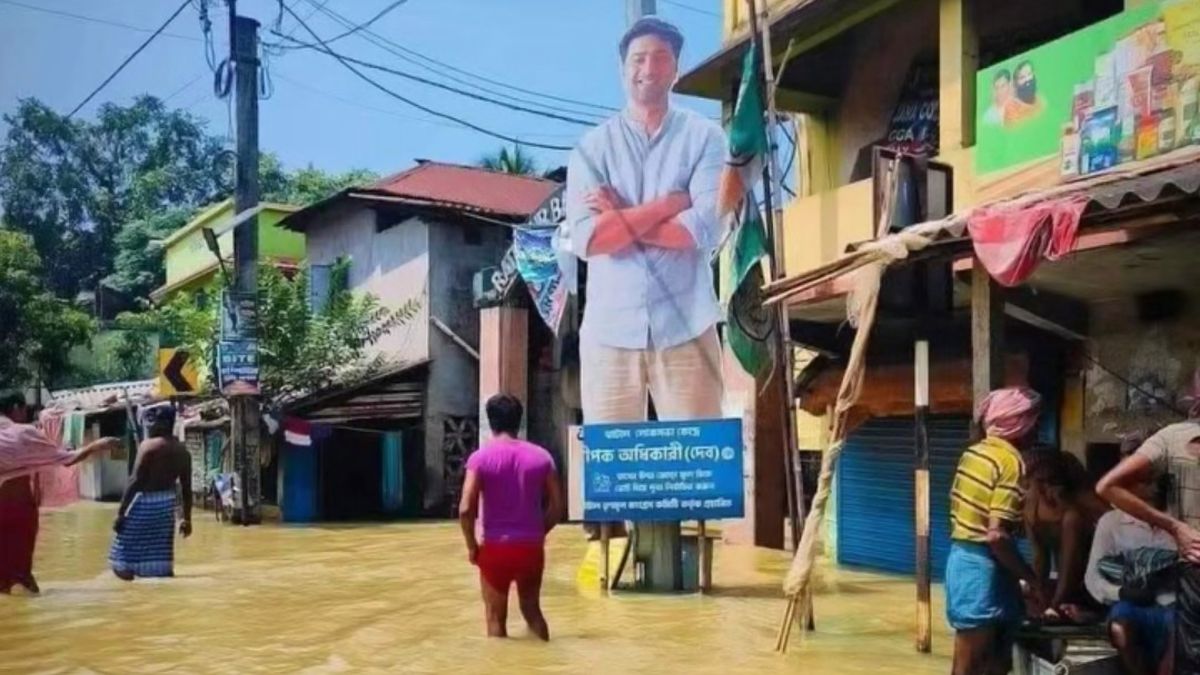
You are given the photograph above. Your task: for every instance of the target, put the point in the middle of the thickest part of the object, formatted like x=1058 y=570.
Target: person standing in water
x=144 y=545
x=522 y=501
x=983 y=596
x=25 y=450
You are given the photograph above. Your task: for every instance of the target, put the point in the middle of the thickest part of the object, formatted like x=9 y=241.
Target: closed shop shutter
x=875 y=493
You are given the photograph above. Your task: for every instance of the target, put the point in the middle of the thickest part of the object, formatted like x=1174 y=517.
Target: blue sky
x=321 y=113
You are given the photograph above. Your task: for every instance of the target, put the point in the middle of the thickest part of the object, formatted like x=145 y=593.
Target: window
x=472 y=235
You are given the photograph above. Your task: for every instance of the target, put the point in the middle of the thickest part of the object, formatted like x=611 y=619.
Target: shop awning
x=1111 y=197
x=811 y=22
x=397 y=393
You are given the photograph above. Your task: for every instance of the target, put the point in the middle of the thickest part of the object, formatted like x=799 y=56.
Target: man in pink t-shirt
x=522 y=502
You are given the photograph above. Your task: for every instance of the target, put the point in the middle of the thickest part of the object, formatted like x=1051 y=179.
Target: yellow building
x=1015 y=102
x=191 y=265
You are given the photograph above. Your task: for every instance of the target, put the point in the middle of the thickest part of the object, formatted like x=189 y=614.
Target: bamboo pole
x=862 y=311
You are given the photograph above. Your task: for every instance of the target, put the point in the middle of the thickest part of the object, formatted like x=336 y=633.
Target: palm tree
x=516 y=162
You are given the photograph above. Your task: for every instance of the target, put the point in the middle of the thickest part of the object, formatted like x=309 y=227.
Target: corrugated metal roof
x=448 y=187
x=1174 y=175
x=395 y=393
x=103 y=396
x=467 y=187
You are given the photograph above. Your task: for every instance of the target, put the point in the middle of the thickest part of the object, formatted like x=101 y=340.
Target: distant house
x=191 y=265
x=418 y=235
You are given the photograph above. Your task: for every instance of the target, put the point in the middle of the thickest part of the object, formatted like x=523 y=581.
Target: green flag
x=749 y=325
x=747 y=139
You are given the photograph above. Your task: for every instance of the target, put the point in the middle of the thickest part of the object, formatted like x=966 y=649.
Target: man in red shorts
x=522 y=502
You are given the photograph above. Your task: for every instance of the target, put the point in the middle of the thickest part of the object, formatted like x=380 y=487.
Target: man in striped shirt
x=983 y=596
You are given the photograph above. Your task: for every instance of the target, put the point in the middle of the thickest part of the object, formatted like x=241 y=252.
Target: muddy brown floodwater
x=402 y=598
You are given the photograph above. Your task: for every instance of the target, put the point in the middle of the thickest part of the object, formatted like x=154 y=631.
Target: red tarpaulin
x=1011 y=241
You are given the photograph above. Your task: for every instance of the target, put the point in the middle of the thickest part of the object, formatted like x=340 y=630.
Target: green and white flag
x=749 y=326
x=747 y=140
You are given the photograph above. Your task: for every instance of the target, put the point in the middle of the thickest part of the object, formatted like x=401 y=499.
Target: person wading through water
x=25 y=450
x=518 y=485
x=144 y=545
x=983 y=596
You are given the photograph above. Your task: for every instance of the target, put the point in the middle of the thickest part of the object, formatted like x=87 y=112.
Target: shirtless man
x=145 y=525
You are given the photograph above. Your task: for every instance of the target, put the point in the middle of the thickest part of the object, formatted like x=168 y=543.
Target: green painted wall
x=1017 y=134
x=188 y=255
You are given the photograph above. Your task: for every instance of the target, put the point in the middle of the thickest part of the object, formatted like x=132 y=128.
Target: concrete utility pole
x=245 y=409
x=636 y=9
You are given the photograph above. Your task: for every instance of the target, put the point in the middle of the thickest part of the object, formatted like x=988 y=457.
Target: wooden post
x=605 y=533
x=921 y=493
x=987 y=333
x=703 y=559
x=773 y=189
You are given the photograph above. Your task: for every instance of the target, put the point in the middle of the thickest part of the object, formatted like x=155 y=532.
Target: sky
x=318 y=112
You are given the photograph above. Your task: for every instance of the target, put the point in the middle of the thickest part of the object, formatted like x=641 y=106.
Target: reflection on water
x=402 y=598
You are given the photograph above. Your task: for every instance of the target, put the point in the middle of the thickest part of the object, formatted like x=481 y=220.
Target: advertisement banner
x=659 y=471
x=1120 y=90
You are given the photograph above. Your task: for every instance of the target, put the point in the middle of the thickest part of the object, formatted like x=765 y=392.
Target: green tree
x=139 y=267
x=308 y=185
x=72 y=184
x=38 y=329
x=516 y=161
x=300 y=349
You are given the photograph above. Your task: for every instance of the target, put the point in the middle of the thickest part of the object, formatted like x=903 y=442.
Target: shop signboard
x=1123 y=89
x=663 y=471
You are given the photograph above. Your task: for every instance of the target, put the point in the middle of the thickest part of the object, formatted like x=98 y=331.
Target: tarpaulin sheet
x=1010 y=241
x=537 y=262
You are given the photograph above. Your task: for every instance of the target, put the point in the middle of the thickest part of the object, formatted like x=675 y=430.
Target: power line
x=362 y=26
x=393 y=113
x=131 y=57
x=689 y=8
x=408 y=54
x=184 y=87
x=396 y=50
x=460 y=92
x=418 y=106
x=96 y=20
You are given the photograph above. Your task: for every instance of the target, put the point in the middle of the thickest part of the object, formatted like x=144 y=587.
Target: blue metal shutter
x=875 y=493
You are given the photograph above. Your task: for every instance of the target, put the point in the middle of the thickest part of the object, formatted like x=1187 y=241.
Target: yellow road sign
x=177 y=373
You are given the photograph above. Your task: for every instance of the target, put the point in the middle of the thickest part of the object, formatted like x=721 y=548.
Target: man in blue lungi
x=145 y=542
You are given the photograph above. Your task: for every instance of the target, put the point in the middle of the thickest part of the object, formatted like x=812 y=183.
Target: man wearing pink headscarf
x=25 y=450
x=983 y=595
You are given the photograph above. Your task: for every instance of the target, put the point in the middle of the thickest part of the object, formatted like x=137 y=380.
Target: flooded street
x=403 y=598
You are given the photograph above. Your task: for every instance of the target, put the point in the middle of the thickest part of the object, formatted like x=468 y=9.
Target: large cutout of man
x=641 y=210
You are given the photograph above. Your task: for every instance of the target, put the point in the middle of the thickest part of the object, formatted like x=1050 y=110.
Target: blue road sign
x=689 y=470
x=237 y=365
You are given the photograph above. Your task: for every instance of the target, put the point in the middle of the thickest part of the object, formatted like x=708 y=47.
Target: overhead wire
x=95 y=20
x=684 y=6
x=423 y=61
x=283 y=77
x=463 y=92
x=130 y=58
x=353 y=29
x=414 y=104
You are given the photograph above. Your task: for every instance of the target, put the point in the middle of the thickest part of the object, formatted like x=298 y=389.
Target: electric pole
x=244 y=408
x=636 y=9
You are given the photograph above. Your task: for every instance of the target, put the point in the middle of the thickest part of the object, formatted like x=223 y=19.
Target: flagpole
x=772 y=182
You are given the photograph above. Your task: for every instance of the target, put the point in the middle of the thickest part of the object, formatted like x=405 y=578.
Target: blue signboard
x=688 y=470
x=237 y=365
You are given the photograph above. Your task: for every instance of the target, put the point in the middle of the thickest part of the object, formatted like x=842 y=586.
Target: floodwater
x=402 y=598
